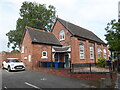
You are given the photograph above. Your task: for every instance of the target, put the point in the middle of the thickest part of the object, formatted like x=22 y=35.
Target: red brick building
x=37 y=46
x=67 y=42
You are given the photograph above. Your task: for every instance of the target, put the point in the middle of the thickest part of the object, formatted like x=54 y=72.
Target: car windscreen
x=13 y=60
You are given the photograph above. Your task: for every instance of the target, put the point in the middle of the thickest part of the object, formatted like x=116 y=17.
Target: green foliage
x=15 y=51
x=101 y=62
x=113 y=35
x=34 y=15
x=111 y=58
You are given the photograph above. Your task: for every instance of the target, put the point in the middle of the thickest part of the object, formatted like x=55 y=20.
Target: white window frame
x=99 y=52
x=62 y=35
x=105 y=53
x=22 y=49
x=82 y=50
x=29 y=58
x=91 y=52
x=43 y=57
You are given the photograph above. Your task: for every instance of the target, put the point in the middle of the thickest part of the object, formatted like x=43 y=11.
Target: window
x=105 y=53
x=62 y=35
x=29 y=58
x=22 y=49
x=91 y=52
x=99 y=52
x=44 y=54
x=82 y=51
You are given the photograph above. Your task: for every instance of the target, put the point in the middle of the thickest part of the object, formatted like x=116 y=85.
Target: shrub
x=101 y=62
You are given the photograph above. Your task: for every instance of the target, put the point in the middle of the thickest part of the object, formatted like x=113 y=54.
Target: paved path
x=118 y=82
x=0 y=79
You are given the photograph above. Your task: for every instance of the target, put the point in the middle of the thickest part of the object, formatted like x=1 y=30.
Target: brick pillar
x=95 y=52
x=102 y=52
x=87 y=52
x=74 y=50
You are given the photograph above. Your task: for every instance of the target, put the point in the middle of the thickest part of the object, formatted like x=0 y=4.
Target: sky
x=89 y=14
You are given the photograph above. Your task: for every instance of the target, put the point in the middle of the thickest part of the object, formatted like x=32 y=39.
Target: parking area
x=34 y=79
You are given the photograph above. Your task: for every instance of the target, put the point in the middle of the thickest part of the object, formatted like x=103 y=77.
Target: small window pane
x=91 y=52
x=99 y=52
x=44 y=53
x=105 y=53
x=81 y=51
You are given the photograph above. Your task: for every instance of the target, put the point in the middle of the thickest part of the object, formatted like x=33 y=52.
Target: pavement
x=117 y=84
x=0 y=79
x=39 y=80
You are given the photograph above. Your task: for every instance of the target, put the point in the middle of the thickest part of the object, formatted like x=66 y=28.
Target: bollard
x=102 y=83
x=108 y=80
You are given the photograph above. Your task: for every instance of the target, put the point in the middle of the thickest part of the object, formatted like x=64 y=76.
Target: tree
x=113 y=35
x=34 y=15
x=15 y=51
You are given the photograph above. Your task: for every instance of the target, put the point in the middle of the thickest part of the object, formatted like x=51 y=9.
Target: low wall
x=4 y=56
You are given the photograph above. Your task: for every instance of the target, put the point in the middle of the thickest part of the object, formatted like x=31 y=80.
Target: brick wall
x=74 y=43
x=35 y=53
x=26 y=50
x=4 y=56
x=67 y=42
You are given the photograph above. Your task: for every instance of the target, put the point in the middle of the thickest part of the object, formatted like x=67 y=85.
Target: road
x=38 y=80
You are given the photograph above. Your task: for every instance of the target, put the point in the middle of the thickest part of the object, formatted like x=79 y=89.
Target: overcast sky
x=90 y=14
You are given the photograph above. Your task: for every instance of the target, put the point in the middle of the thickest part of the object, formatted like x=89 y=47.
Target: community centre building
x=66 y=43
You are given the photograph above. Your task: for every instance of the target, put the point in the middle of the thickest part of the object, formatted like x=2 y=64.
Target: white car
x=13 y=64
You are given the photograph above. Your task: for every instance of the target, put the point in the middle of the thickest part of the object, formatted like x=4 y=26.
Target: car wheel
x=9 y=69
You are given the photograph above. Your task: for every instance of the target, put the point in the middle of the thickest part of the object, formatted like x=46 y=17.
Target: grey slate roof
x=43 y=37
x=79 y=31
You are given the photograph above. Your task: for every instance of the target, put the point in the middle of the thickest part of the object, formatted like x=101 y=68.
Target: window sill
x=44 y=57
x=82 y=58
x=62 y=39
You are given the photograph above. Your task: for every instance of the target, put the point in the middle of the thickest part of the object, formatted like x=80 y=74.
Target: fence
x=92 y=68
x=81 y=68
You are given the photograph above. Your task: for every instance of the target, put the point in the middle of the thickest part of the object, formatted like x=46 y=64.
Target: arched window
x=105 y=53
x=91 y=52
x=62 y=35
x=82 y=56
x=44 y=54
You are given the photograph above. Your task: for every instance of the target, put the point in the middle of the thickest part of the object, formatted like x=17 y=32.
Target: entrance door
x=56 y=56
x=66 y=60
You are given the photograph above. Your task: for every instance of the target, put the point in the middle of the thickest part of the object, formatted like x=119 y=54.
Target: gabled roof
x=42 y=37
x=78 y=31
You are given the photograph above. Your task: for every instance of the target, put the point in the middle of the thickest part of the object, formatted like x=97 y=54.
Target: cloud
x=90 y=14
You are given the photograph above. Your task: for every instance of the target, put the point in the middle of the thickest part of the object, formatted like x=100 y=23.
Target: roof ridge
x=36 y=29
x=75 y=25
x=80 y=31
